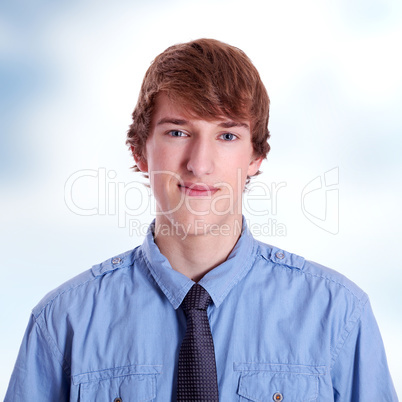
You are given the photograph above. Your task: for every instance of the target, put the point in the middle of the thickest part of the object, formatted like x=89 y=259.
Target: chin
x=194 y=225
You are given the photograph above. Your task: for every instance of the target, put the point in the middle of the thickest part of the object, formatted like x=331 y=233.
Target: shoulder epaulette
x=117 y=262
x=282 y=257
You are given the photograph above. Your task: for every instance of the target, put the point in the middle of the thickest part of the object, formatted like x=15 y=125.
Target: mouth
x=197 y=189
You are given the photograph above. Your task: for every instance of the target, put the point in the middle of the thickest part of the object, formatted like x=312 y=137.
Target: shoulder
x=310 y=271
x=88 y=281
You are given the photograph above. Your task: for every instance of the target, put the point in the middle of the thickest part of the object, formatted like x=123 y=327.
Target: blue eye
x=228 y=137
x=177 y=133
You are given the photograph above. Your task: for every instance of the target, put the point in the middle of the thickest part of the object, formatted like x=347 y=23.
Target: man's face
x=197 y=168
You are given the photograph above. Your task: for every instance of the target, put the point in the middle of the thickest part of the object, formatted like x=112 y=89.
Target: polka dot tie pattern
x=197 y=379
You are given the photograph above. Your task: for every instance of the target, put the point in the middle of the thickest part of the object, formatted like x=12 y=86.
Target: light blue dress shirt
x=283 y=327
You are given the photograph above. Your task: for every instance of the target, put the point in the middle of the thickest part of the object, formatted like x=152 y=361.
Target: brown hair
x=210 y=79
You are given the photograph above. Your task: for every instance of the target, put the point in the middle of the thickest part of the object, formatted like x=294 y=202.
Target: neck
x=194 y=254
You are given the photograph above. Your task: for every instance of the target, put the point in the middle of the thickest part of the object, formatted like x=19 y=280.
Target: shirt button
x=116 y=260
x=118 y=400
x=281 y=256
x=277 y=397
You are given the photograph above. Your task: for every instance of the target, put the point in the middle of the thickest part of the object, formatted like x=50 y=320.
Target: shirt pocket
x=278 y=382
x=133 y=383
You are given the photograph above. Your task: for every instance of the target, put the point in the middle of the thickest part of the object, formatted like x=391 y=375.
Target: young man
x=201 y=311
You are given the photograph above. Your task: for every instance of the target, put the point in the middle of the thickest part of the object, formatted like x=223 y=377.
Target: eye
x=177 y=133
x=228 y=137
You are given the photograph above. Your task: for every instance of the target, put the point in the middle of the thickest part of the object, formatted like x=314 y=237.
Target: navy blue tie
x=197 y=379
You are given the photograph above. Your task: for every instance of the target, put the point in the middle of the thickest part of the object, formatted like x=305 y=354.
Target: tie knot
x=197 y=298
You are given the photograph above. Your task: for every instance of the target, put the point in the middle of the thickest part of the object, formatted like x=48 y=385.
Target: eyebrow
x=231 y=123
x=170 y=120
x=182 y=122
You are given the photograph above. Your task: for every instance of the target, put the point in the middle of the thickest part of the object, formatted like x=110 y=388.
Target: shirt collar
x=218 y=282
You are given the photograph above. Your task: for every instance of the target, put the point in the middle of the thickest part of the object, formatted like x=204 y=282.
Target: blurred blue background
x=70 y=73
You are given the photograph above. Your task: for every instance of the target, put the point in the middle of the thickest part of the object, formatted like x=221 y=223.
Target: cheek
x=163 y=158
x=235 y=177
x=159 y=181
x=239 y=164
x=164 y=184
x=242 y=174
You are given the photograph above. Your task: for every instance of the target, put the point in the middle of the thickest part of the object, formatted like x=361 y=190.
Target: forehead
x=164 y=105
x=169 y=110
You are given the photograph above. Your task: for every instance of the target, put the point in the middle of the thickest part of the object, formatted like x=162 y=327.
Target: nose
x=200 y=158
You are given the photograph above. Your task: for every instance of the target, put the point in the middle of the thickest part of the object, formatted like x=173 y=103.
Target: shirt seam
x=75 y=376
x=121 y=367
x=289 y=365
x=73 y=288
x=355 y=319
x=54 y=348
x=359 y=299
x=302 y=272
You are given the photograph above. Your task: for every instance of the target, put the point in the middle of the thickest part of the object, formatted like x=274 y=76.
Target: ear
x=140 y=160
x=254 y=165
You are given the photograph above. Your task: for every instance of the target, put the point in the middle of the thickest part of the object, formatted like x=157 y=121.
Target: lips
x=198 y=189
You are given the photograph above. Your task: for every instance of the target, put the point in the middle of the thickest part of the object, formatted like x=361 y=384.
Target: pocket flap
x=295 y=383
x=129 y=383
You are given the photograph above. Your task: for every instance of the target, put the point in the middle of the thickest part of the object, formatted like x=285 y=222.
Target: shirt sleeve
x=38 y=373
x=360 y=372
